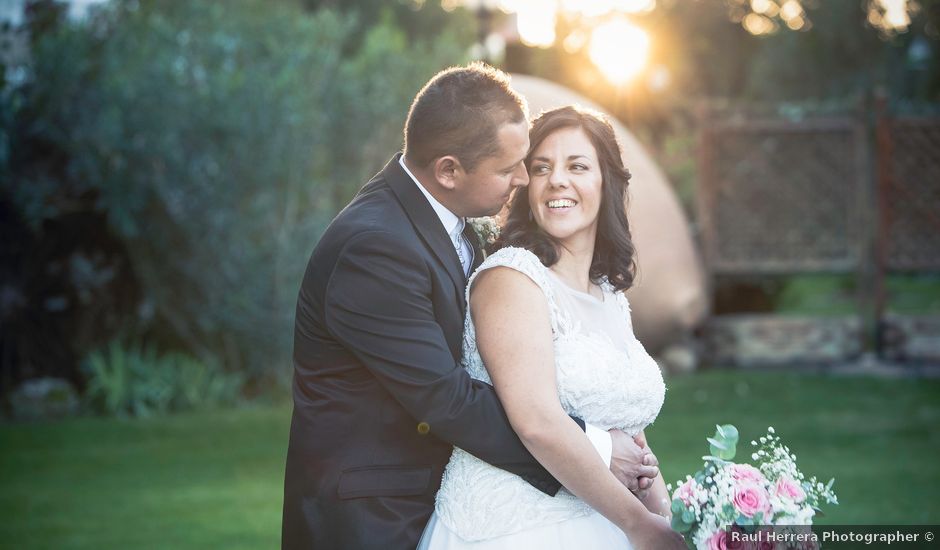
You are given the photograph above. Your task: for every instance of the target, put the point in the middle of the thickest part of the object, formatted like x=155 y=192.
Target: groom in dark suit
x=380 y=398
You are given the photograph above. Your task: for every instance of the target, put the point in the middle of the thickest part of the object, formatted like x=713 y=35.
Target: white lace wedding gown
x=604 y=376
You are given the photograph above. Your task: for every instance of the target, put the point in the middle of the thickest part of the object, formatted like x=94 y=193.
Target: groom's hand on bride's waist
x=633 y=463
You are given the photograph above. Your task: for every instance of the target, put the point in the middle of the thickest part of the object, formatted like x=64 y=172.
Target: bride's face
x=565 y=187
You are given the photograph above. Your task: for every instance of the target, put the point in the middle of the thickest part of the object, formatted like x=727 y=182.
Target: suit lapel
x=426 y=222
x=474 y=241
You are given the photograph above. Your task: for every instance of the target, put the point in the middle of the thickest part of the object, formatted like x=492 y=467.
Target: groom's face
x=485 y=190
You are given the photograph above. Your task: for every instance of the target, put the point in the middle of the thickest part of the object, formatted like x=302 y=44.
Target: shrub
x=218 y=139
x=136 y=380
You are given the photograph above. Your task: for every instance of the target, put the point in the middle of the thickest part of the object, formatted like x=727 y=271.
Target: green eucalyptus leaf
x=724 y=443
x=717 y=443
x=728 y=431
x=679 y=525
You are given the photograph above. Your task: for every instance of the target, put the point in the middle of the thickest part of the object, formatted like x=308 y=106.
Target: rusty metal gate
x=856 y=194
x=908 y=238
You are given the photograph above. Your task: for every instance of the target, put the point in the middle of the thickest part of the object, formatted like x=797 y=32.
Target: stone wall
x=765 y=340
x=911 y=338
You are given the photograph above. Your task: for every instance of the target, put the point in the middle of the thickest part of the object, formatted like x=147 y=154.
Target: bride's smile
x=565 y=186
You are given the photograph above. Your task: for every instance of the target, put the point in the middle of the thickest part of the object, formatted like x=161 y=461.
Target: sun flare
x=619 y=49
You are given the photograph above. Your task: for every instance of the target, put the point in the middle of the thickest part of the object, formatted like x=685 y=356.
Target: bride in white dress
x=549 y=320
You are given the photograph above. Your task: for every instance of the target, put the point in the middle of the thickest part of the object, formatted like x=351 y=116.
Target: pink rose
x=686 y=492
x=764 y=539
x=751 y=498
x=746 y=472
x=722 y=540
x=718 y=541
x=787 y=488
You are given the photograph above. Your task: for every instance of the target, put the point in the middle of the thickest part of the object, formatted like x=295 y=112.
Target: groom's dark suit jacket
x=379 y=396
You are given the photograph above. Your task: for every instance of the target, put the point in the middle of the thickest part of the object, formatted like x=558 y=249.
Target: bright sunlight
x=619 y=49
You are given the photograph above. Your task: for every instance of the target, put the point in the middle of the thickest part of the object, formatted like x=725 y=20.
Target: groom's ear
x=448 y=171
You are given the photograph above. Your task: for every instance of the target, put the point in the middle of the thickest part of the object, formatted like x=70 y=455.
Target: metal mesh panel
x=912 y=197
x=782 y=197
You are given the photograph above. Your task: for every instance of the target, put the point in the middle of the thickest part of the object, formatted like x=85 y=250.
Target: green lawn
x=828 y=295
x=880 y=438
x=210 y=480
x=213 y=480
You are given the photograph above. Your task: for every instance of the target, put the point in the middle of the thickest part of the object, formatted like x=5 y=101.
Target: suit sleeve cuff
x=601 y=440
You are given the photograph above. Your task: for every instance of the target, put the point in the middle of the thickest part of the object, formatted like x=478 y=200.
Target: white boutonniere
x=486 y=228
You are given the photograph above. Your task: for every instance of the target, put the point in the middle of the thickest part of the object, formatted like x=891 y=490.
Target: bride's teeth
x=561 y=203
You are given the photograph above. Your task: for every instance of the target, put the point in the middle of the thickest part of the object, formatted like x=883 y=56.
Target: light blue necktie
x=456 y=236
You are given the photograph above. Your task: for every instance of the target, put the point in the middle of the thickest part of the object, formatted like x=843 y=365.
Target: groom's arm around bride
x=379 y=394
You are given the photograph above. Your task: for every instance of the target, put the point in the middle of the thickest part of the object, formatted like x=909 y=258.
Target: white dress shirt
x=450 y=220
x=601 y=440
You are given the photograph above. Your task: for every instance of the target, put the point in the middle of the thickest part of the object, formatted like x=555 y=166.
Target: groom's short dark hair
x=458 y=112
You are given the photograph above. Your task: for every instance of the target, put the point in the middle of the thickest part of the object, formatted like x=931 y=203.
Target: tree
x=214 y=142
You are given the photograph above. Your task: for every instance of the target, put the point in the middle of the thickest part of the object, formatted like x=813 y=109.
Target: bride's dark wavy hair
x=614 y=253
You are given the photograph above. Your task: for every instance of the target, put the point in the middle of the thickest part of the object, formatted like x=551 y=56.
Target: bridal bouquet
x=726 y=503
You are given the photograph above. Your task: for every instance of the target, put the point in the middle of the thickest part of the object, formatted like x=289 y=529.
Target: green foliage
x=829 y=295
x=419 y=19
x=135 y=380
x=724 y=443
x=915 y=293
x=680 y=515
x=677 y=157
x=825 y=295
x=840 y=56
x=219 y=139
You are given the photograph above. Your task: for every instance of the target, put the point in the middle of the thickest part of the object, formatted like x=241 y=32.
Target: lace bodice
x=604 y=376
